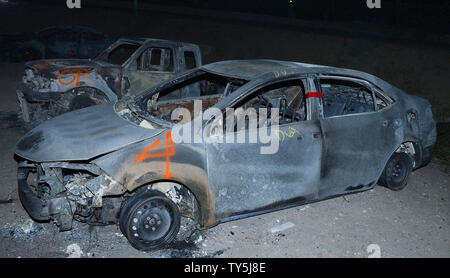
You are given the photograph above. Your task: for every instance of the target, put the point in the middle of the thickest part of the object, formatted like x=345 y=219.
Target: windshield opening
x=204 y=86
x=119 y=54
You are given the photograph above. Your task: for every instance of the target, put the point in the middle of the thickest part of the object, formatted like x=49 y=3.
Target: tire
x=149 y=220
x=79 y=102
x=397 y=171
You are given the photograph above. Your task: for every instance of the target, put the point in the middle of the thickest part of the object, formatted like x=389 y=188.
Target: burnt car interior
x=343 y=97
x=156 y=59
x=287 y=96
x=119 y=54
x=208 y=87
x=189 y=60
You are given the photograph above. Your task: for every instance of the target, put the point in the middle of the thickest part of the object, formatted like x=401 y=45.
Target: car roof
x=265 y=68
x=251 y=69
x=261 y=68
x=145 y=41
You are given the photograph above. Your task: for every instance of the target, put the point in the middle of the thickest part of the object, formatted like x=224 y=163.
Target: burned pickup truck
x=128 y=66
x=174 y=150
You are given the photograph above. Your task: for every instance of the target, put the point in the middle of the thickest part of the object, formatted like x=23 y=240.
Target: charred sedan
x=339 y=131
x=128 y=66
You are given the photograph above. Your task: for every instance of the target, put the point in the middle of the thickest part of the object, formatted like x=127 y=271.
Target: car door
x=152 y=66
x=245 y=180
x=358 y=135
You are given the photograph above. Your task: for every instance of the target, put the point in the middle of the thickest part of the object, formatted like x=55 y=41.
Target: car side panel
x=186 y=166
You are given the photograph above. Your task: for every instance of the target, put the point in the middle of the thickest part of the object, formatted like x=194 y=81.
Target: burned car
x=128 y=66
x=338 y=131
x=54 y=42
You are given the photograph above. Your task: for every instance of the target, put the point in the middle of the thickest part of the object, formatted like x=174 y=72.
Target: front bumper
x=35 y=206
x=57 y=209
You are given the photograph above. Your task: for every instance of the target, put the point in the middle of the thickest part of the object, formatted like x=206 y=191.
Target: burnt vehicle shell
x=53 y=87
x=54 y=42
x=328 y=157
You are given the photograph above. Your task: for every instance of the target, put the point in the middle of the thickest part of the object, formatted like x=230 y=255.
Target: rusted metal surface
x=128 y=66
x=333 y=145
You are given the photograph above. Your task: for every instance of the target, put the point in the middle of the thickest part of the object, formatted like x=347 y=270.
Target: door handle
x=385 y=123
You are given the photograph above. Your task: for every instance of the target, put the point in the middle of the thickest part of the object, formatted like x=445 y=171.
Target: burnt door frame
x=356 y=146
x=246 y=182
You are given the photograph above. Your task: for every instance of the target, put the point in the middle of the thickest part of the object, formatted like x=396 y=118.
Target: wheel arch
x=91 y=91
x=192 y=200
x=411 y=147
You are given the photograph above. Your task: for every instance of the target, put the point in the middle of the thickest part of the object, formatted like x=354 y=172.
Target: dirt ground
x=414 y=222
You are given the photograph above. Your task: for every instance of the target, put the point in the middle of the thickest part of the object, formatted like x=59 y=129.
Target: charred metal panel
x=141 y=80
x=244 y=180
x=80 y=135
x=356 y=148
x=187 y=167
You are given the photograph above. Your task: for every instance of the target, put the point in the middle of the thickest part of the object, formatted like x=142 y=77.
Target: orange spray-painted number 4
x=170 y=151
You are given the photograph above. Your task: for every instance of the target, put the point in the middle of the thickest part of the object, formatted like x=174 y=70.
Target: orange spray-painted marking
x=170 y=151
x=81 y=72
x=45 y=65
x=64 y=72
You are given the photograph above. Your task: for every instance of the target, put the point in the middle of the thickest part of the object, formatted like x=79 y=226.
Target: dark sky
x=430 y=13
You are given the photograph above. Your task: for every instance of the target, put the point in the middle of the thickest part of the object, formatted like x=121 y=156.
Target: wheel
x=149 y=220
x=397 y=171
x=80 y=102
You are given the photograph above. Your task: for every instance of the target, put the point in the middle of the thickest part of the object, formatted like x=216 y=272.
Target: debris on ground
x=28 y=227
x=74 y=251
x=21 y=231
x=282 y=227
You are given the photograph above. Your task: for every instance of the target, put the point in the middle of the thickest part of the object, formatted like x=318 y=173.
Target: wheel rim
x=151 y=222
x=398 y=171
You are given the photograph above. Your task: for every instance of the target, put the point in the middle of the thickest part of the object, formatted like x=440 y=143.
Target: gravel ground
x=411 y=223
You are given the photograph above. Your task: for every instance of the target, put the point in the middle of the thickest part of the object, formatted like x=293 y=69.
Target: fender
x=187 y=166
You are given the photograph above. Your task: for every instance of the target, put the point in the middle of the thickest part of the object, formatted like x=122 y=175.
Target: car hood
x=55 y=66
x=81 y=135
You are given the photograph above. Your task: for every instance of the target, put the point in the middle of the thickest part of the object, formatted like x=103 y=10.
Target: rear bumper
x=36 y=207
